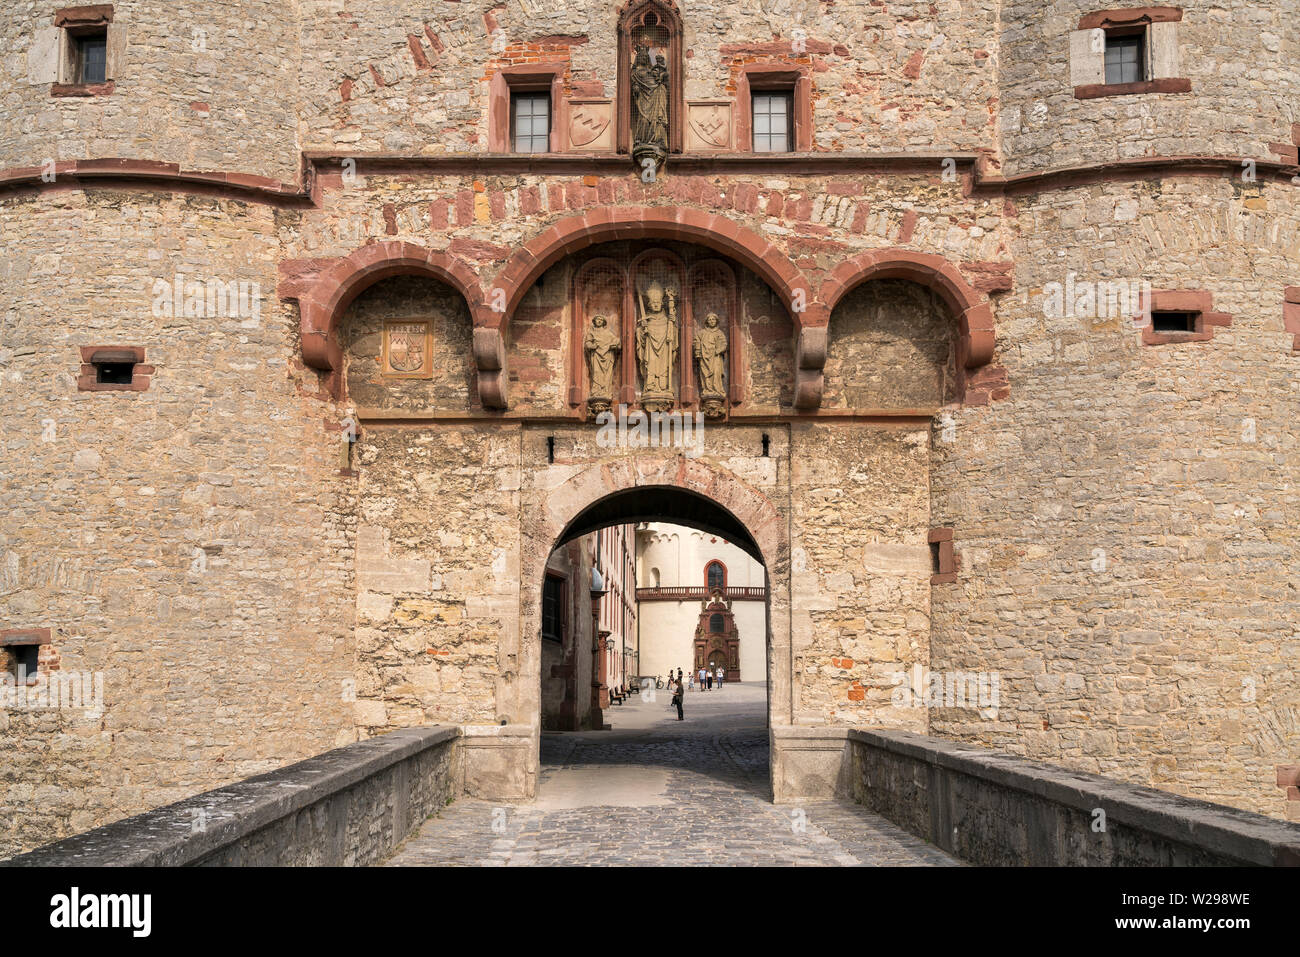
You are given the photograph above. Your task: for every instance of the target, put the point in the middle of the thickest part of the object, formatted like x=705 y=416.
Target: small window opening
x=767 y=446
x=934 y=558
x=25 y=661
x=1173 y=321
x=530 y=122
x=550 y=449
x=114 y=373
x=91 y=52
x=1126 y=56
x=773 y=121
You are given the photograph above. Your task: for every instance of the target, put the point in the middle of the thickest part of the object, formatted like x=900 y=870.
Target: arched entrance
x=651 y=486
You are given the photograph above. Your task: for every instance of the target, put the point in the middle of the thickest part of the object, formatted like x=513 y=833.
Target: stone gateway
x=372 y=498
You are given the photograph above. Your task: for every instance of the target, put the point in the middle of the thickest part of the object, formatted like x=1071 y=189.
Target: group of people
x=706 y=678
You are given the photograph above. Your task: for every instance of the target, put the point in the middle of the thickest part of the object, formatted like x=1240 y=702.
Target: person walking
x=710 y=676
x=702 y=678
x=721 y=673
x=677 y=700
x=691 y=684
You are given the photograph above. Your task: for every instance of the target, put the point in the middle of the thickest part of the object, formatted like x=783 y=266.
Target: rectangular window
x=1126 y=57
x=24 y=660
x=91 y=64
x=553 y=608
x=773 y=121
x=530 y=122
x=114 y=373
x=1173 y=321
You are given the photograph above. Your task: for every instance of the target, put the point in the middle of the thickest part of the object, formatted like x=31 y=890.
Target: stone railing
x=991 y=808
x=349 y=806
x=698 y=593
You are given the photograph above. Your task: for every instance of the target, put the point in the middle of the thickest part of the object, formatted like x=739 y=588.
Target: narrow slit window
x=773 y=126
x=1173 y=321
x=530 y=122
x=1126 y=57
x=553 y=608
x=91 y=57
x=114 y=373
x=25 y=660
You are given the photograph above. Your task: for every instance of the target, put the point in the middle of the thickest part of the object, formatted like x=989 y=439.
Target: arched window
x=715 y=576
x=715 y=624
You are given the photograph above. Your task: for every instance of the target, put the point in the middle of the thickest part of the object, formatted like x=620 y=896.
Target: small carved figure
x=710 y=353
x=656 y=345
x=602 y=346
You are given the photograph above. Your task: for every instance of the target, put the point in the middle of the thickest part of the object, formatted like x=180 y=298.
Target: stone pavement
x=656 y=791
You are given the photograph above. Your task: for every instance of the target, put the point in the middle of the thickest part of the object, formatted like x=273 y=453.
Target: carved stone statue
x=602 y=346
x=710 y=354
x=656 y=346
x=649 y=108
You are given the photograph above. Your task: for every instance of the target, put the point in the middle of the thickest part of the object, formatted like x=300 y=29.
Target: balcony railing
x=698 y=593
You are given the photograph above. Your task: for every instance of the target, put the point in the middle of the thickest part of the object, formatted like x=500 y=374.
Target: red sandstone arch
x=612 y=223
x=324 y=300
x=971 y=308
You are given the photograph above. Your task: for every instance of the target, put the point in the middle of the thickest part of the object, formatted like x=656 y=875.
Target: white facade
x=673 y=556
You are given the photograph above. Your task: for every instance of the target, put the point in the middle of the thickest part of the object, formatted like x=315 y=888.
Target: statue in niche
x=656 y=346
x=710 y=354
x=649 y=108
x=602 y=347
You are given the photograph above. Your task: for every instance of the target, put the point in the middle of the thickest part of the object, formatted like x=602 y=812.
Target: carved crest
x=588 y=122
x=407 y=350
x=712 y=124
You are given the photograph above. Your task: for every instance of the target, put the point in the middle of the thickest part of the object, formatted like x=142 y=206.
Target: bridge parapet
x=317 y=812
x=996 y=809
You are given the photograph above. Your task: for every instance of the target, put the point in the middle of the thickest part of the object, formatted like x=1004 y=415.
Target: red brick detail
x=1092 y=91
x=759 y=76
x=1288 y=153
x=98 y=15
x=947 y=572
x=1199 y=301
x=82 y=89
x=912 y=69
x=1291 y=314
x=609 y=223
x=322 y=301
x=1132 y=17
x=1288 y=775
x=417 y=52
x=969 y=306
x=25 y=636
x=141 y=378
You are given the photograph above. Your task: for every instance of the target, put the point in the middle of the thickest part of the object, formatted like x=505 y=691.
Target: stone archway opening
x=626 y=606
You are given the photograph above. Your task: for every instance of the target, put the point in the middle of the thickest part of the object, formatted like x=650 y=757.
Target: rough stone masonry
x=1097 y=505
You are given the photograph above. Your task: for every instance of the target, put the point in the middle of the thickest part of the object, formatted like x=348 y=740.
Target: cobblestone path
x=660 y=792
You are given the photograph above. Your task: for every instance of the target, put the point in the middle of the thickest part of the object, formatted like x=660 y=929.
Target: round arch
x=970 y=307
x=624 y=490
x=322 y=302
x=608 y=224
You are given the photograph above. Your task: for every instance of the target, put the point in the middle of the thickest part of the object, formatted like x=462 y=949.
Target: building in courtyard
x=975 y=326
x=701 y=603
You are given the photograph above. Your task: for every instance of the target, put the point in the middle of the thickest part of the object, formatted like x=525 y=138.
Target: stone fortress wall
x=1121 y=511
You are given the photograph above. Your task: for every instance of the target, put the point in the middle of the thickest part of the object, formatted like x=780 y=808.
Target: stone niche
x=892 y=346
x=656 y=327
x=407 y=342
